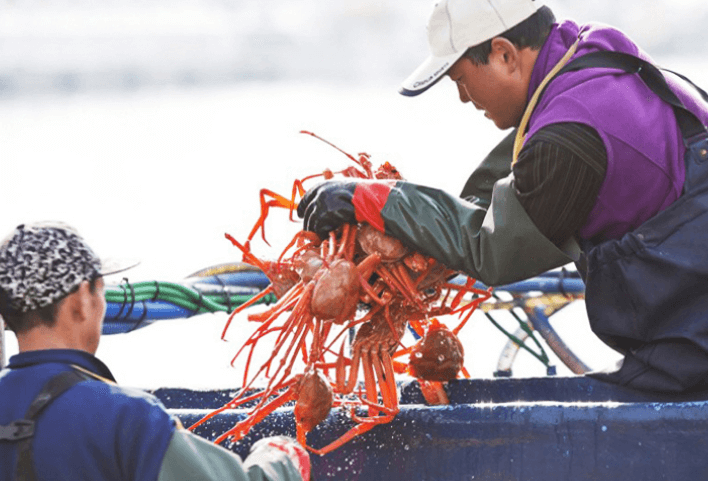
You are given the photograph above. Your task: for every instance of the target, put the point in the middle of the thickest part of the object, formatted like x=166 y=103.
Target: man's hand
x=327 y=206
x=295 y=452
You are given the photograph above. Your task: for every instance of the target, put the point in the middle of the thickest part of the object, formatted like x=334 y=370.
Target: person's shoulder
x=564 y=133
x=119 y=400
x=101 y=411
x=106 y=427
x=23 y=384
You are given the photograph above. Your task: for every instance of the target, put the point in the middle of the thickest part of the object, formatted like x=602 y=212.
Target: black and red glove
x=327 y=206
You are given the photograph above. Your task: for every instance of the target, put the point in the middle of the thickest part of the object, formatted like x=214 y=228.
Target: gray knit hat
x=43 y=262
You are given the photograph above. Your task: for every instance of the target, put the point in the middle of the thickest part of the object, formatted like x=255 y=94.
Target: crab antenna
x=329 y=143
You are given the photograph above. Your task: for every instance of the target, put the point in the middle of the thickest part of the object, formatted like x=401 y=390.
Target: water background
x=153 y=132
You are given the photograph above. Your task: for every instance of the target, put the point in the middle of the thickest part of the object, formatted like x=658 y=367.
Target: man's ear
x=78 y=303
x=505 y=54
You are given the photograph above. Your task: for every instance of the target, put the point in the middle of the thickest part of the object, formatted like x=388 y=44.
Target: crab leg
x=259 y=414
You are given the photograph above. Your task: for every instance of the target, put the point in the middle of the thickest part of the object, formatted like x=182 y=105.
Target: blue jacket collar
x=62 y=356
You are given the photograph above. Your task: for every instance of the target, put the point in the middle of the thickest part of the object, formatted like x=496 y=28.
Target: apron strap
x=690 y=125
x=21 y=431
x=521 y=131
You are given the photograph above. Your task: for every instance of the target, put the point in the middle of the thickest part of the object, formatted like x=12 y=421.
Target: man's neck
x=42 y=337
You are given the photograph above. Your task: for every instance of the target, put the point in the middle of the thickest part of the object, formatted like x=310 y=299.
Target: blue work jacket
x=95 y=431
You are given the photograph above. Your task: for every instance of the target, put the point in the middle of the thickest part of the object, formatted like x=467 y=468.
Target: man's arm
x=498 y=245
x=557 y=178
x=494 y=238
x=495 y=166
x=190 y=458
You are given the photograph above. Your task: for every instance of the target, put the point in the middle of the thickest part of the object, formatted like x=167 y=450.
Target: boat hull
x=505 y=429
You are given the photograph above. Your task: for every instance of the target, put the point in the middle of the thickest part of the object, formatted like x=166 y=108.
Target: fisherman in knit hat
x=62 y=417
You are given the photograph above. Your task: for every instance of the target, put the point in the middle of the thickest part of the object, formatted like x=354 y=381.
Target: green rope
x=179 y=295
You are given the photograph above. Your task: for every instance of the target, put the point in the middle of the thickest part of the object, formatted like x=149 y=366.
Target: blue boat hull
x=502 y=429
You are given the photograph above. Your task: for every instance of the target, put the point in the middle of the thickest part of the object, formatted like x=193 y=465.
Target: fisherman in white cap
x=605 y=167
x=62 y=417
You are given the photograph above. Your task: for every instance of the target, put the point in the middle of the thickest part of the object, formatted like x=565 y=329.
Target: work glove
x=268 y=448
x=494 y=242
x=327 y=206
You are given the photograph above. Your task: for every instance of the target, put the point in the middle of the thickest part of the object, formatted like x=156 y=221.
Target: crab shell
x=439 y=356
x=336 y=292
x=314 y=400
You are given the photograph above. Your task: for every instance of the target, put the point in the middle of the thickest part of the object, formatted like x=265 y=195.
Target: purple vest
x=645 y=151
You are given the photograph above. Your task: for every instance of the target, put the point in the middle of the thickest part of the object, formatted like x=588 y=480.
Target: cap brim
x=115 y=266
x=428 y=74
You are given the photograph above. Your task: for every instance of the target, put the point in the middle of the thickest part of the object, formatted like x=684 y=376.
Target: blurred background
x=151 y=126
x=160 y=120
x=68 y=46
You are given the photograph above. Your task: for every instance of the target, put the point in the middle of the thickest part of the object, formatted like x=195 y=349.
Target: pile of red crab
x=357 y=279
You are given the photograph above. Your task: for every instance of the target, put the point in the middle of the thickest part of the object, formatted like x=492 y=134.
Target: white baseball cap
x=455 y=26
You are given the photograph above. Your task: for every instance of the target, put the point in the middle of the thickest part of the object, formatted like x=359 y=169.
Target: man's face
x=491 y=87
